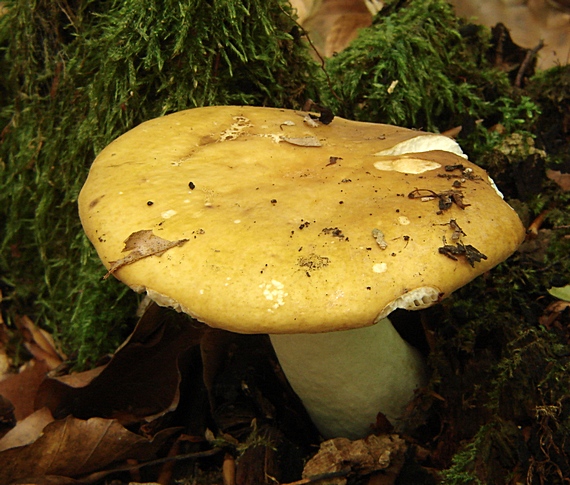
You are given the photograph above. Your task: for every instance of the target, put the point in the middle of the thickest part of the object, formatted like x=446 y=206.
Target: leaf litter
x=139 y=384
x=341 y=456
x=73 y=447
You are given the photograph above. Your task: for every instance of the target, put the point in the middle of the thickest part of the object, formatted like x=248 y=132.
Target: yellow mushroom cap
x=269 y=224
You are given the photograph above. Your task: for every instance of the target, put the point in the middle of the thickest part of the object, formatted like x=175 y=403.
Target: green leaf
x=561 y=292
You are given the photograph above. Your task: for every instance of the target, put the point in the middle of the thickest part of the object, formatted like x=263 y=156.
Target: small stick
x=530 y=54
x=96 y=476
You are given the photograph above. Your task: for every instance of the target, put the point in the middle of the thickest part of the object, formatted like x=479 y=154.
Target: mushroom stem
x=346 y=378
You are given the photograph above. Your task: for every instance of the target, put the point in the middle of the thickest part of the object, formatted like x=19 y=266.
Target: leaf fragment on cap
x=304 y=141
x=142 y=244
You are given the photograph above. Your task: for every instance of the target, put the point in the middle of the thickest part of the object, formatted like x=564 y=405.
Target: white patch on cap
x=416 y=299
x=403 y=220
x=406 y=165
x=241 y=123
x=424 y=143
x=168 y=214
x=492 y=182
x=274 y=292
x=163 y=300
x=275 y=137
x=380 y=267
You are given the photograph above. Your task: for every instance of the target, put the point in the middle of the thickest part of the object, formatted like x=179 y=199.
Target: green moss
x=421 y=67
x=496 y=440
x=502 y=374
x=418 y=45
x=81 y=74
x=551 y=90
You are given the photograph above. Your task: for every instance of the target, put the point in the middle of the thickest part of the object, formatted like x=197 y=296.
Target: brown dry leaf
x=333 y=24
x=344 y=30
x=141 y=380
x=20 y=389
x=528 y=22
x=80 y=379
x=143 y=244
x=552 y=314
x=73 y=447
x=39 y=343
x=304 y=141
x=562 y=179
x=361 y=457
x=26 y=431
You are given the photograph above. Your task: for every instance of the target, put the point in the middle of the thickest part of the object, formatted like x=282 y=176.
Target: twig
x=318 y=54
x=530 y=55
x=94 y=477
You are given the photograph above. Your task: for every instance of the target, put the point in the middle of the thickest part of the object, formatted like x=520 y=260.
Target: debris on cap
x=269 y=221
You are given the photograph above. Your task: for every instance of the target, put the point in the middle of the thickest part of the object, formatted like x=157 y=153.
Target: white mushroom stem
x=346 y=378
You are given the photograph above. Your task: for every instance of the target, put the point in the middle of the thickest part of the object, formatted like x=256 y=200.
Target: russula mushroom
x=255 y=221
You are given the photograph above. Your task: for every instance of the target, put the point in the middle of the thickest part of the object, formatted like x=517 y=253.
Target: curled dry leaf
x=143 y=244
x=141 y=380
x=361 y=457
x=73 y=447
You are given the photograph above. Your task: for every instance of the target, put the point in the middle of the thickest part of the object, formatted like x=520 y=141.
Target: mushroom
x=255 y=221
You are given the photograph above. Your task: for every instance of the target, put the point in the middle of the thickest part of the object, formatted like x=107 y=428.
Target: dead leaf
x=26 y=431
x=39 y=343
x=333 y=24
x=141 y=380
x=304 y=141
x=20 y=389
x=562 y=179
x=361 y=457
x=73 y=447
x=552 y=314
x=80 y=379
x=143 y=244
